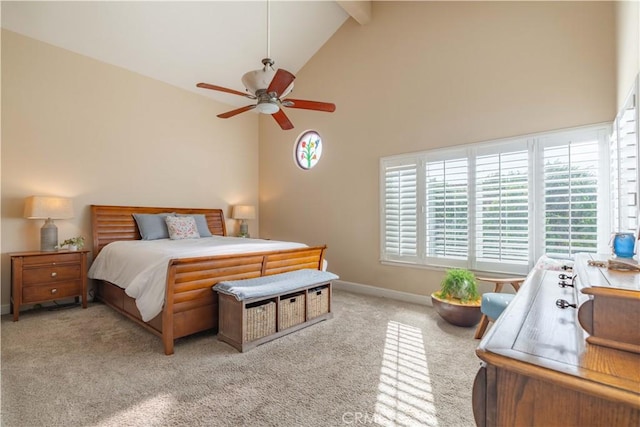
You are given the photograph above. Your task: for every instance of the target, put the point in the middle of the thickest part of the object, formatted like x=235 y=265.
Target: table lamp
x=48 y=208
x=243 y=213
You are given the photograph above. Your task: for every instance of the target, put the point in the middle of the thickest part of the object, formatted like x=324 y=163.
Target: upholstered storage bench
x=255 y=311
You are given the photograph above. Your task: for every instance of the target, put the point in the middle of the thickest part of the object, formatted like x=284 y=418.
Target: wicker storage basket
x=318 y=301
x=261 y=320
x=291 y=310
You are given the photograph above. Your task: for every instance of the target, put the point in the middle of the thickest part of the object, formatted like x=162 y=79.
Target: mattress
x=140 y=266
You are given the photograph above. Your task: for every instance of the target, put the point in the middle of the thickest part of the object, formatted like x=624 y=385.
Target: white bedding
x=140 y=266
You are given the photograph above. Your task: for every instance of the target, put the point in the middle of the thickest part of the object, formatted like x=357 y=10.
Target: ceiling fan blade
x=280 y=82
x=309 y=105
x=282 y=120
x=235 y=112
x=224 y=89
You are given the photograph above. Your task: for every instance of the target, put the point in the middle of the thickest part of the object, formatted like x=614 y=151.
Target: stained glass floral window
x=308 y=149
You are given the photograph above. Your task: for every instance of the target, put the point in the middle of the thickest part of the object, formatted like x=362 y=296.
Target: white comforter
x=140 y=266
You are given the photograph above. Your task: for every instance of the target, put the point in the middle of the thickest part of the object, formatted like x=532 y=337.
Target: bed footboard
x=190 y=304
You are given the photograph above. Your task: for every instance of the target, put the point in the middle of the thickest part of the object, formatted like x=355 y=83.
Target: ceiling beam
x=359 y=10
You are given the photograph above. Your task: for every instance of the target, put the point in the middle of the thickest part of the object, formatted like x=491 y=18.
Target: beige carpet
x=377 y=362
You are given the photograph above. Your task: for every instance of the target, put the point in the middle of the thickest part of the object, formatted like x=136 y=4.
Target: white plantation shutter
x=570 y=176
x=615 y=178
x=498 y=206
x=624 y=167
x=447 y=208
x=400 y=210
x=502 y=207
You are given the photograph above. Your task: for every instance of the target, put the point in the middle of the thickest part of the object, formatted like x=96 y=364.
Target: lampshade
x=44 y=207
x=244 y=212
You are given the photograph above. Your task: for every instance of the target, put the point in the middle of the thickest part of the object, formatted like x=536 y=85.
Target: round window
x=308 y=149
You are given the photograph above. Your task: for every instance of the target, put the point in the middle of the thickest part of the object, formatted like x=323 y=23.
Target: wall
x=76 y=127
x=424 y=75
x=627 y=15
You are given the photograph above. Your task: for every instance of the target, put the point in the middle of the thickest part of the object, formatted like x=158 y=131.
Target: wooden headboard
x=113 y=223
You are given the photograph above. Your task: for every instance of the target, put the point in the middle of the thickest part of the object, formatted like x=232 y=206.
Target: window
x=308 y=149
x=570 y=175
x=502 y=205
x=447 y=207
x=497 y=206
x=624 y=166
x=401 y=210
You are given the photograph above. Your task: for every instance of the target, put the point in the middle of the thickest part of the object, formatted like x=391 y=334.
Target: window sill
x=435 y=267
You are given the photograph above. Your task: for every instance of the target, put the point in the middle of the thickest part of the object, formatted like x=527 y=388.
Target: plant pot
x=456 y=312
x=73 y=247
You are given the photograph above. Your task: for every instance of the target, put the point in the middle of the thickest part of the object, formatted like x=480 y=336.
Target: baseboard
x=346 y=286
x=6 y=309
x=382 y=292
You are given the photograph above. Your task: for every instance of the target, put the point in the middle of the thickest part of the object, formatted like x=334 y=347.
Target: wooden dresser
x=538 y=369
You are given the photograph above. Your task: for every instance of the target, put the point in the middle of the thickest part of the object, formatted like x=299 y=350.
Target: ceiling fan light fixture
x=267 y=107
x=258 y=79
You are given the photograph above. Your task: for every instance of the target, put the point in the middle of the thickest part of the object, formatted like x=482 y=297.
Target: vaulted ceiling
x=183 y=43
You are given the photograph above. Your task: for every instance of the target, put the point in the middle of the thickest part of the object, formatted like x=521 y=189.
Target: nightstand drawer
x=54 y=259
x=33 y=276
x=59 y=290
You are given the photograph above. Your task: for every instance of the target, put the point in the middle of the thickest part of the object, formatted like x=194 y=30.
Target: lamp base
x=244 y=229
x=48 y=236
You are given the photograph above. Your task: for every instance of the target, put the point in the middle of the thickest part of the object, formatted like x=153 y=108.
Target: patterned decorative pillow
x=201 y=223
x=182 y=227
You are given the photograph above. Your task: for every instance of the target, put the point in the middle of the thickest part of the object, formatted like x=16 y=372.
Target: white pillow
x=182 y=227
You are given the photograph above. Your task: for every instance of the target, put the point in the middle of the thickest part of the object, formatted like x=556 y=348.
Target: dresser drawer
x=53 y=273
x=611 y=311
x=32 y=294
x=53 y=259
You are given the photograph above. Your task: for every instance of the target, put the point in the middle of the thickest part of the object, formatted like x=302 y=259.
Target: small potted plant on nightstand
x=74 y=243
x=458 y=301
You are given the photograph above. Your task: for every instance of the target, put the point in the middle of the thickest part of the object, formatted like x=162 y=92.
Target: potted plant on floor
x=458 y=301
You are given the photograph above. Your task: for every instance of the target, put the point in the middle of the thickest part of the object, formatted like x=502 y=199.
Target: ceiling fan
x=269 y=88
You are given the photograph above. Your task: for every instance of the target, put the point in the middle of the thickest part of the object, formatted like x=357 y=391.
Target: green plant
x=461 y=284
x=74 y=241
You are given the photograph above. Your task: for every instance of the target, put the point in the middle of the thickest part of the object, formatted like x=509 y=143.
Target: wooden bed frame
x=190 y=304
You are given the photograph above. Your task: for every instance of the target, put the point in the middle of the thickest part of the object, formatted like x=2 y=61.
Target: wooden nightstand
x=46 y=276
